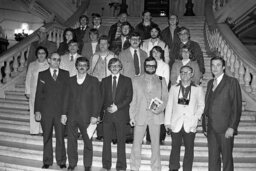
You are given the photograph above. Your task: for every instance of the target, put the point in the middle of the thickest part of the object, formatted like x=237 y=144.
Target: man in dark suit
x=82 y=32
x=222 y=115
x=117 y=93
x=81 y=108
x=51 y=85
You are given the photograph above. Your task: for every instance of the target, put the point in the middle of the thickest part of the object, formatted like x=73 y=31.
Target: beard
x=150 y=72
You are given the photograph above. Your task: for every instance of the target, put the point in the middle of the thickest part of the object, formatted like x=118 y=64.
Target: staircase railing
x=240 y=63
x=13 y=62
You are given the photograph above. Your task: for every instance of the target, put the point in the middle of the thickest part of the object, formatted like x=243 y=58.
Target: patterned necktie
x=54 y=75
x=136 y=63
x=114 y=89
x=71 y=58
x=214 y=84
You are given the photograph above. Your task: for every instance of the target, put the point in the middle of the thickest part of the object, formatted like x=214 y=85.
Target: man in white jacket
x=184 y=108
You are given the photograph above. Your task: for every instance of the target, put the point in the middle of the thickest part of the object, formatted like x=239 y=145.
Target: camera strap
x=185 y=95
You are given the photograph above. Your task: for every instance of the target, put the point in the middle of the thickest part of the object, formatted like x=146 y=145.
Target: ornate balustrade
x=240 y=63
x=13 y=61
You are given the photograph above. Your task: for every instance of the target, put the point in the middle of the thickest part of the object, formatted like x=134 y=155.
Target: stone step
x=22 y=136
x=10 y=111
x=12 y=103
x=36 y=154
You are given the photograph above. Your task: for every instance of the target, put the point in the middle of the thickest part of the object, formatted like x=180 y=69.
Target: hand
x=132 y=122
x=112 y=108
x=38 y=116
x=63 y=119
x=229 y=133
x=94 y=120
x=27 y=96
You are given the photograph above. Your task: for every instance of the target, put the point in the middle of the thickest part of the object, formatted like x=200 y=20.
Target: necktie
x=114 y=89
x=54 y=75
x=72 y=58
x=136 y=63
x=214 y=84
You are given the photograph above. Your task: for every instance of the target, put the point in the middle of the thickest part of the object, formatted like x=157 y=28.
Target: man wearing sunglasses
x=51 y=85
x=150 y=96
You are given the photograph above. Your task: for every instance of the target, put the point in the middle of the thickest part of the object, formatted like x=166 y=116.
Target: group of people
x=130 y=82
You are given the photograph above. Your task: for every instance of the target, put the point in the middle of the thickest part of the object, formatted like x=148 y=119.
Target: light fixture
x=22 y=32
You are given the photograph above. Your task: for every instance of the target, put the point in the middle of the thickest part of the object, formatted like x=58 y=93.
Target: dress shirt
x=80 y=80
x=117 y=78
x=94 y=45
x=138 y=53
x=52 y=71
x=219 y=79
x=74 y=56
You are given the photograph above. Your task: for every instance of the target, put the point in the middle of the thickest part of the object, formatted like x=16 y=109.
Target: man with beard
x=144 y=27
x=150 y=96
x=81 y=108
x=154 y=40
x=122 y=42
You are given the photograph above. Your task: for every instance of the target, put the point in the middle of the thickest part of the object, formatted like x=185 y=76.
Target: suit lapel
x=220 y=86
x=119 y=84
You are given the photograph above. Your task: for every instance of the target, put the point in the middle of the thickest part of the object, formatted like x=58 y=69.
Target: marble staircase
x=19 y=151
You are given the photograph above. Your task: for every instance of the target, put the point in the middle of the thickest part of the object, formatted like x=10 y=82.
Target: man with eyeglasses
x=183 y=110
x=51 y=86
x=81 y=108
x=194 y=48
x=116 y=91
x=133 y=57
x=150 y=96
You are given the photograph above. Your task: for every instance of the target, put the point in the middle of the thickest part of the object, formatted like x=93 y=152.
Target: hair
x=186 y=66
x=135 y=34
x=122 y=13
x=103 y=37
x=145 y=11
x=43 y=48
x=189 y=50
x=114 y=60
x=84 y=16
x=82 y=59
x=64 y=34
x=94 y=31
x=157 y=28
x=126 y=23
x=72 y=41
x=151 y=58
x=184 y=28
x=220 y=59
x=96 y=15
x=158 y=49
x=177 y=18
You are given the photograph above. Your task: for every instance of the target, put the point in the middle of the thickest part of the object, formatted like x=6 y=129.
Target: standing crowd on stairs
x=132 y=83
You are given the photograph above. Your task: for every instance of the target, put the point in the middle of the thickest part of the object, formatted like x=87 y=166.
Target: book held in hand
x=155 y=103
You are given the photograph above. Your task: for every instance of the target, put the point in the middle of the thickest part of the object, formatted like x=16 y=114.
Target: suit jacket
x=103 y=30
x=128 y=64
x=122 y=99
x=63 y=48
x=144 y=31
x=160 y=43
x=139 y=108
x=178 y=115
x=84 y=104
x=82 y=36
x=172 y=42
x=50 y=93
x=116 y=45
x=87 y=50
x=223 y=109
x=68 y=65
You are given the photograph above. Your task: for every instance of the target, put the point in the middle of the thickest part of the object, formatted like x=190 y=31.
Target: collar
x=219 y=78
x=52 y=70
x=117 y=76
x=132 y=50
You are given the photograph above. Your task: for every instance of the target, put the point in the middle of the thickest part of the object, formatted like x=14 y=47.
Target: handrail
x=240 y=63
x=13 y=61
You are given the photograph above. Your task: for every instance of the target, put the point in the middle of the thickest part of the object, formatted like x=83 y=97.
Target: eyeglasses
x=185 y=73
x=115 y=66
x=41 y=53
x=150 y=66
x=56 y=59
x=135 y=39
x=84 y=65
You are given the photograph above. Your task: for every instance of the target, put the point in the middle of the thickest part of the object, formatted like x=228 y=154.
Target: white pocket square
x=42 y=81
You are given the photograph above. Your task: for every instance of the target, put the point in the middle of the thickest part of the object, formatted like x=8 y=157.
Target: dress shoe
x=87 y=168
x=99 y=138
x=70 y=168
x=63 y=166
x=45 y=166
